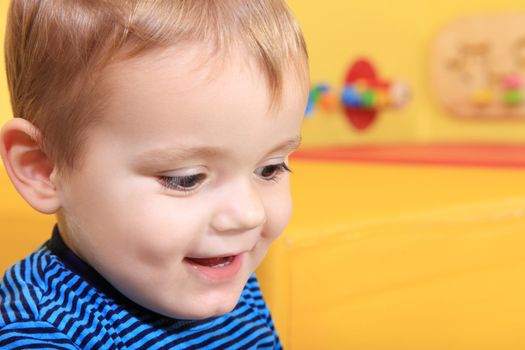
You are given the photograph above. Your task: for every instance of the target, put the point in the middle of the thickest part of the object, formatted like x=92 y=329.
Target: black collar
x=58 y=247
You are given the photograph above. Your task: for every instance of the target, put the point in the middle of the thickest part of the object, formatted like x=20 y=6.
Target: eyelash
x=278 y=170
x=176 y=183
x=179 y=183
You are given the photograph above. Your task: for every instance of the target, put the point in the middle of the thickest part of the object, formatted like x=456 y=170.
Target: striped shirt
x=53 y=300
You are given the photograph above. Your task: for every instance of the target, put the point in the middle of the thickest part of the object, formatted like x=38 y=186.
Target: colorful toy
x=362 y=97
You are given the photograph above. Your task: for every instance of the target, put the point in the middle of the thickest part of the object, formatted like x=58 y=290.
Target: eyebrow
x=154 y=157
x=288 y=145
x=173 y=154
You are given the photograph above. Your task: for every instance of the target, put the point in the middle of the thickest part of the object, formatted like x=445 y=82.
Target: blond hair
x=56 y=49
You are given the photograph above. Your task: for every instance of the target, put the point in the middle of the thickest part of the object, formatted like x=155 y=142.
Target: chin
x=198 y=309
x=218 y=309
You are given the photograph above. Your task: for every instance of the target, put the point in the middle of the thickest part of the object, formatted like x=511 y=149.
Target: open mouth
x=214 y=263
x=223 y=268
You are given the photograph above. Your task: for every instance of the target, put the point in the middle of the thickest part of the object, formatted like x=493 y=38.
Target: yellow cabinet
x=400 y=257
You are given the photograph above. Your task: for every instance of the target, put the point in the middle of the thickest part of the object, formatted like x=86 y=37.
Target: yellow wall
x=397 y=37
x=5 y=110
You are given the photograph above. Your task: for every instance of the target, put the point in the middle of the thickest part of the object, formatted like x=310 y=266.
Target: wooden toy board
x=478 y=66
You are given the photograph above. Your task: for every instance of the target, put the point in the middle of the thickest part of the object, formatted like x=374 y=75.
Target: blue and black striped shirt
x=53 y=300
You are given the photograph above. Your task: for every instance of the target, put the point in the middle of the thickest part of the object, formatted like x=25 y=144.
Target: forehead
x=185 y=96
x=194 y=65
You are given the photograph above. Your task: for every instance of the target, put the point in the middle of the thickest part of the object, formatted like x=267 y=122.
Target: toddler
x=158 y=132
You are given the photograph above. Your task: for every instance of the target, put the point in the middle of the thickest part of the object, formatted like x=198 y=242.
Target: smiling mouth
x=217 y=269
x=214 y=263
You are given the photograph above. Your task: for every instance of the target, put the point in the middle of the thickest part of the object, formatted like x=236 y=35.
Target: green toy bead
x=513 y=97
x=315 y=94
x=369 y=98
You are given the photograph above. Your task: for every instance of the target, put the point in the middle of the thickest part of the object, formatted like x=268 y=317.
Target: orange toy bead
x=482 y=97
x=382 y=99
x=328 y=101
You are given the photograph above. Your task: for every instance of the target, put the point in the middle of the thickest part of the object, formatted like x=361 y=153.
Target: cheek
x=279 y=211
x=135 y=220
x=163 y=228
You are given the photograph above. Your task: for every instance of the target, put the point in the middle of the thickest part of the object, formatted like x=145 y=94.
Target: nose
x=240 y=208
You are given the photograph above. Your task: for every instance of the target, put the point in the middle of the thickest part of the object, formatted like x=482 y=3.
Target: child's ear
x=28 y=167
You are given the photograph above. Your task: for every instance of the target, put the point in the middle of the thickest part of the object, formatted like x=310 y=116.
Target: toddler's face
x=184 y=183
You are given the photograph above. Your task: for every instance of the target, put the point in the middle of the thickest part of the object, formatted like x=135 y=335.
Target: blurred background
x=409 y=216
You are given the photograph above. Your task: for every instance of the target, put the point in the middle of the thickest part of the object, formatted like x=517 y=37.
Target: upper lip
x=221 y=255
x=208 y=256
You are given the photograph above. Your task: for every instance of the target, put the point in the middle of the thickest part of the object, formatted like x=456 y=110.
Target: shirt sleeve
x=33 y=335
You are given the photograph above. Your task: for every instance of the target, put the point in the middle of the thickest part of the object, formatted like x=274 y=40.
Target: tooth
x=218 y=266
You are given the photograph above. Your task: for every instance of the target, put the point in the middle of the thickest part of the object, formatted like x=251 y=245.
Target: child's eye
x=272 y=172
x=182 y=183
